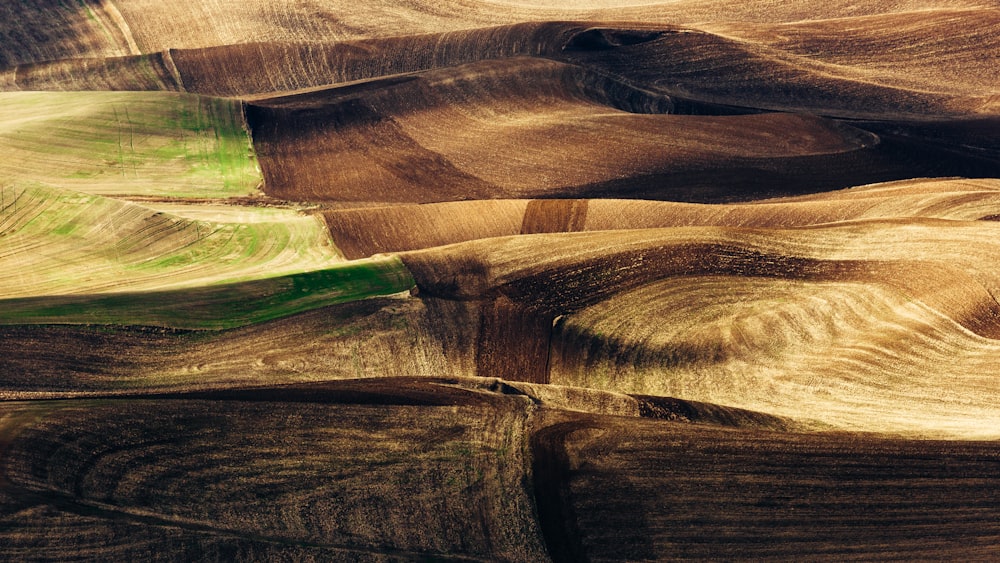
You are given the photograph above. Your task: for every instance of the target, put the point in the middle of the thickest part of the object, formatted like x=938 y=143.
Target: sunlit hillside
x=491 y=280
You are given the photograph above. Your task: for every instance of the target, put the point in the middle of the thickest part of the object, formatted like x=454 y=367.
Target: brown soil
x=362 y=232
x=313 y=145
x=629 y=489
x=359 y=233
x=554 y=216
x=691 y=283
x=513 y=341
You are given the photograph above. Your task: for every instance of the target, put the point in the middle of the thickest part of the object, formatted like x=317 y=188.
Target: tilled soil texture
x=499 y=280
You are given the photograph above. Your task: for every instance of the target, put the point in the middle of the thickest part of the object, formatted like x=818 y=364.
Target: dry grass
x=728 y=277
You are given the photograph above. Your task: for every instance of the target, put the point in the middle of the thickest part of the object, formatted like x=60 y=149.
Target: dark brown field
x=495 y=280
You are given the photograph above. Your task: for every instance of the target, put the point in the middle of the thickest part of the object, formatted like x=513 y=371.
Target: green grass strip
x=160 y=144
x=217 y=307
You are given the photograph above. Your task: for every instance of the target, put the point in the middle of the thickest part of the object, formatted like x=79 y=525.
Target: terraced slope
x=499 y=280
x=60 y=30
x=375 y=337
x=116 y=477
x=871 y=48
x=217 y=306
x=773 y=66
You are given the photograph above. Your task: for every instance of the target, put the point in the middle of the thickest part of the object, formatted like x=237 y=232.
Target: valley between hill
x=486 y=280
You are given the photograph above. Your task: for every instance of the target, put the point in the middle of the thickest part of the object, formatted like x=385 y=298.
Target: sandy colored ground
x=490 y=280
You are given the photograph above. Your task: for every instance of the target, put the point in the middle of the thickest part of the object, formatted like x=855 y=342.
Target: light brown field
x=490 y=280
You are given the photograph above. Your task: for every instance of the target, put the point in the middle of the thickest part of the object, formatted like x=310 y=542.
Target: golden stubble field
x=499 y=280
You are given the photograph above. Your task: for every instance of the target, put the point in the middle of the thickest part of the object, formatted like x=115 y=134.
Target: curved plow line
x=218 y=307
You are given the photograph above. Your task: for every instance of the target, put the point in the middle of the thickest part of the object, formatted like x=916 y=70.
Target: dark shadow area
x=513 y=342
x=48 y=30
x=709 y=493
x=600 y=39
x=961 y=148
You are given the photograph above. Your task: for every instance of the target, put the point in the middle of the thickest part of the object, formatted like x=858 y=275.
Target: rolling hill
x=491 y=280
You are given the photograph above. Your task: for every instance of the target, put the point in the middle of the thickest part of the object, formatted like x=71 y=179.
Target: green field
x=153 y=144
x=73 y=250
x=217 y=307
x=56 y=241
